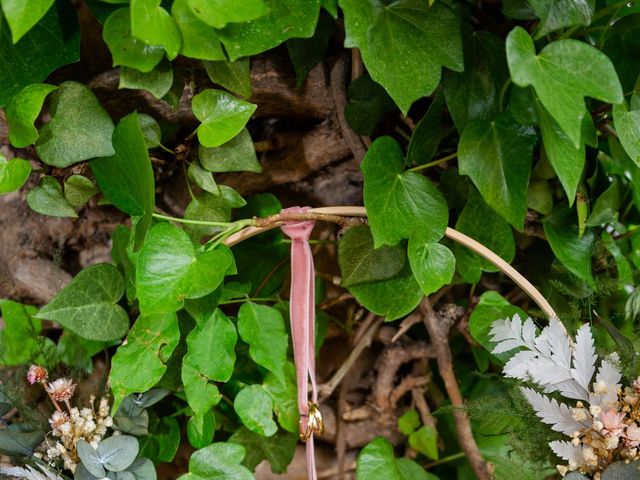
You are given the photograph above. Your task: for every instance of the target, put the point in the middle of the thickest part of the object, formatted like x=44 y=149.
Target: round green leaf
x=222 y=116
x=217 y=13
x=90 y=458
x=22 y=112
x=432 y=264
x=127 y=50
x=154 y=25
x=47 y=198
x=254 y=407
x=13 y=174
x=219 y=461
x=78 y=190
x=88 y=305
x=199 y=40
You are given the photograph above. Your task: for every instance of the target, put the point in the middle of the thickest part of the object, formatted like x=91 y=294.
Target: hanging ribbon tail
x=303 y=321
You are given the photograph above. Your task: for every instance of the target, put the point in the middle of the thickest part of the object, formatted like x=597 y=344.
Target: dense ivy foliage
x=515 y=122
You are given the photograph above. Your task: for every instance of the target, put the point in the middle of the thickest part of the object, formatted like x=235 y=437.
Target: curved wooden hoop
x=454 y=235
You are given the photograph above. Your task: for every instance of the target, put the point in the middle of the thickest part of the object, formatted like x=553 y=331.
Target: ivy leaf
x=234 y=76
x=377 y=460
x=562 y=74
x=126 y=178
x=79 y=130
x=19 y=339
x=211 y=208
x=40 y=51
x=150 y=342
x=168 y=270
x=627 y=124
x=432 y=264
x=262 y=327
x=154 y=25
x=218 y=461
x=287 y=19
x=201 y=395
x=368 y=104
x=425 y=441
x=236 y=155
x=47 y=199
x=157 y=82
x=217 y=13
x=78 y=190
x=222 y=116
x=404 y=44
x=474 y=93
x=22 y=15
x=360 y=262
x=285 y=397
x=210 y=356
x=278 y=450
x=203 y=178
x=427 y=134
x=150 y=130
x=497 y=156
x=254 y=406
x=127 y=50
x=481 y=223
x=571 y=249
x=22 y=111
x=561 y=13
x=13 y=174
x=163 y=441
x=200 y=429
x=88 y=305
x=199 y=40
x=399 y=204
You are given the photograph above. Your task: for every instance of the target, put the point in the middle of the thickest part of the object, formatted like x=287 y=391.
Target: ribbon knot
x=302 y=316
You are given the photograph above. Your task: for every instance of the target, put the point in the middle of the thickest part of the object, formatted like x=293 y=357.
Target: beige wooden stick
x=456 y=236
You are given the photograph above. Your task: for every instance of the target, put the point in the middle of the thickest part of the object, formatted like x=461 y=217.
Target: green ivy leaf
x=201 y=395
x=210 y=355
x=408 y=422
x=218 y=461
x=203 y=178
x=377 y=460
x=287 y=19
x=562 y=74
x=625 y=273
x=425 y=441
x=427 y=134
x=481 y=223
x=154 y=25
x=627 y=124
x=360 y=262
x=278 y=450
x=222 y=116
x=150 y=130
x=234 y=76
x=13 y=174
x=368 y=103
x=199 y=40
x=262 y=327
x=254 y=406
x=285 y=397
x=22 y=15
x=78 y=190
x=163 y=441
x=561 y=13
x=474 y=93
x=127 y=50
x=19 y=339
x=404 y=44
x=607 y=205
x=150 y=342
x=22 y=111
x=126 y=178
x=497 y=156
x=400 y=204
x=200 y=429
x=88 y=305
x=540 y=197
x=47 y=199
x=217 y=13
x=432 y=264
x=168 y=270
x=80 y=128
x=211 y=208
x=157 y=82
x=41 y=51
x=236 y=155
x=571 y=249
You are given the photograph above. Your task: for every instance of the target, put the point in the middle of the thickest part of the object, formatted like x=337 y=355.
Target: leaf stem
x=245 y=222
x=503 y=92
x=248 y=299
x=168 y=150
x=434 y=163
x=450 y=458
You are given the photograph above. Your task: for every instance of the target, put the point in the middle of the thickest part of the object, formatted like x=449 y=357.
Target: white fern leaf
x=558 y=415
x=507 y=334
x=571 y=389
x=560 y=344
x=605 y=388
x=584 y=357
x=529 y=334
x=518 y=365
x=568 y=451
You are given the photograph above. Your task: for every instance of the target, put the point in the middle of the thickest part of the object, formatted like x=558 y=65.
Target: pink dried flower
x=612 y=421
x=58 y=419
x=37 y=374
x=61 y=390
x=633 y=435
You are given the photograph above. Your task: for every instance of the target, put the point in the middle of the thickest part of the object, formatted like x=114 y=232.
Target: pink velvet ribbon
x=302 y=315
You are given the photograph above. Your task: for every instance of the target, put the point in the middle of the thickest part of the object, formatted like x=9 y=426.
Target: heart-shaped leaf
x=218 y=461
x=200 y=429
x=79 y=130
x=21 y=15
x=78 y=190
x=432 y=264
x=234 y=76
x=114 y=454
x=628 y=128
x=278 y=450
x=211 y=208
x=47 y=198
x=127 y=50
x=285 y=397
x=88 y=304
x=13 y=174
x=203 y=178
x=561 y=13
x=22 y=111
x=254 y=406
x=157 y=82
x=562 y=74
x=169 y=271
x=199 y=40
x=222 y=116
x=154 y=25
x=217 y=13
x=400 y=204
x=236 y=155
x=150 y=130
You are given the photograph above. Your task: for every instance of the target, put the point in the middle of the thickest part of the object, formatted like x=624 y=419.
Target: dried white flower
x=61 y=390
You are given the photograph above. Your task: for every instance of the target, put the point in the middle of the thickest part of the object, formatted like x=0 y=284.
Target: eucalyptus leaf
x=88 y=304
x=47 y=198
x=15 y=443
x=22 y=111
x=254 y=407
